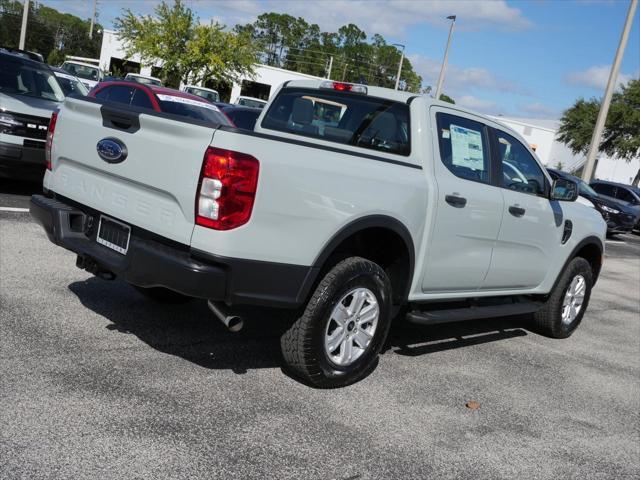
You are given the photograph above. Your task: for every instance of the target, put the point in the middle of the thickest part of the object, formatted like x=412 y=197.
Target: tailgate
x=153 y=188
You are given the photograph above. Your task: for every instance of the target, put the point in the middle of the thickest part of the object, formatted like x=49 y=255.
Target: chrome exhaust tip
x=234 y=323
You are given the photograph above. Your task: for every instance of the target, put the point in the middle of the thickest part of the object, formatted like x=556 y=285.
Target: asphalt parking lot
x=97 y=382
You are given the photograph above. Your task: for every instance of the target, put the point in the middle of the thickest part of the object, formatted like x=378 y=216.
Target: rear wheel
x=565 y=307
x=162 y=295
x=344 y=326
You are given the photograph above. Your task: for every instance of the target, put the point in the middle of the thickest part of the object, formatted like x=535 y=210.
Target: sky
x=525 y=58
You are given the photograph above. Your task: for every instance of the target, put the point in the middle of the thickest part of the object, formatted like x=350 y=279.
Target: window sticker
x=445 y=133
x=187 y=101
x=466 y=148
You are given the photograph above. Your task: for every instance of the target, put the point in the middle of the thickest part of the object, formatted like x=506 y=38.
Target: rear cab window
x=195 y=109
x=344 y=118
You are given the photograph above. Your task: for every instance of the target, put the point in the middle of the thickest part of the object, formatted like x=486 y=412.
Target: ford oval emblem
x=112 y=150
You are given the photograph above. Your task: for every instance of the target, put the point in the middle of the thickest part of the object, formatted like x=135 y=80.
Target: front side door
x=530 y=230
x=468 y=208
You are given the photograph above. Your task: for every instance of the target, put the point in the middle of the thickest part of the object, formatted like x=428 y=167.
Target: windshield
x=583 y=187
x=250 y=102
x=206 y=94
x=18 y=78
x=196 y=109
x=82 y=71
x=144 y=80
x=71 y=85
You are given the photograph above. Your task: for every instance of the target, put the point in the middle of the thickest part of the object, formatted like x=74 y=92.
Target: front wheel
x=344 y=326
x=565 y=307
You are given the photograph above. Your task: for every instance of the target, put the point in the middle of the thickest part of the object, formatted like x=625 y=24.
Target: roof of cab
x=380 y=92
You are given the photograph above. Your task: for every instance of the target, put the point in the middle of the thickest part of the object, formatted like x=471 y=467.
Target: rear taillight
x=227 y=189
x=50 y=131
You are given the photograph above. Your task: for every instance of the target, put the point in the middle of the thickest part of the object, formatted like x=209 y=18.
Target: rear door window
x=121 y=94
x=625 y=195
x=463 y=147
x=339 y=117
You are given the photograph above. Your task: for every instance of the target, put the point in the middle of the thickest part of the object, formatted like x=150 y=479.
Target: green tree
x=294 y=44
x=188 y=50
x=446 y=98
x=49 y=32
x=621 y=138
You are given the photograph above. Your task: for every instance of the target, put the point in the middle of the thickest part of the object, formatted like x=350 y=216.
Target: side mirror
x=564 y=190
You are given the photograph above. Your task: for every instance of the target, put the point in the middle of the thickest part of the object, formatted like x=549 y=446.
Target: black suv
x=626 y=195
x=29 y=93
x=619 y=217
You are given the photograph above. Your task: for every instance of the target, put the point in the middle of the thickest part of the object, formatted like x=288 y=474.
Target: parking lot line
x=13 y=209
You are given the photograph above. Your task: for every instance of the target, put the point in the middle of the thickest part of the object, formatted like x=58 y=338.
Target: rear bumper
x=152 y=261
x=18 y=161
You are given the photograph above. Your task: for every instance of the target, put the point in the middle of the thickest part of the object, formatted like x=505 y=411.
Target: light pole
x=399 y=66
x=93 y=18
x=587 y=172
x=446 y=56
x=23 y=29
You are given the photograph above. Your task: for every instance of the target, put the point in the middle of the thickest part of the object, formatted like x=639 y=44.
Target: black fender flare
x=591 y=240
x=353 y=227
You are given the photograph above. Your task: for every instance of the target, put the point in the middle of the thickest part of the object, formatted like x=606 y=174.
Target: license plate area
x=113 y=234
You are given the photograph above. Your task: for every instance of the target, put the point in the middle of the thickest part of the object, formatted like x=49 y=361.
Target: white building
x=541 y=136
x=265 y=82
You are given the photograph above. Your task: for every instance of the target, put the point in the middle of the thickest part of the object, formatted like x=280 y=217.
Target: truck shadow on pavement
x=191 y=332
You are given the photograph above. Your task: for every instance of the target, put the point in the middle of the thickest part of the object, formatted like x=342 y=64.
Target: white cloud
x=461 y=80
x=595 y=77
x=478 y=104
x=539 y=110
x=390 y=17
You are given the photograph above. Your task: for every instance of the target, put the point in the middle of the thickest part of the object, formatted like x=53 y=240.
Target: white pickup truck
x=348 y=204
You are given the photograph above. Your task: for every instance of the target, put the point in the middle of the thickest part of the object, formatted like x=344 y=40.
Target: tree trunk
x=636 y=180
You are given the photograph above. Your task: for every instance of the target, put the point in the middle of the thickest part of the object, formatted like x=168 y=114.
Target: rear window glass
x=195 y=109
x=345 y=118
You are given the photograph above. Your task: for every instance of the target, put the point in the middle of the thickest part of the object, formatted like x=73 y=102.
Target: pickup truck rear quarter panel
x=306 y=194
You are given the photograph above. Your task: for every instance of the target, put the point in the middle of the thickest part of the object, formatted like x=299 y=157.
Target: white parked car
x=206 y=93
x=392 y=204
x=89 y=74
x=144 y=79
x=251 y=102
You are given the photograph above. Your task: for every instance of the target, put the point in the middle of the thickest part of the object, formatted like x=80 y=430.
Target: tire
x=549 y=320
x=162 y=295
x=330 y=314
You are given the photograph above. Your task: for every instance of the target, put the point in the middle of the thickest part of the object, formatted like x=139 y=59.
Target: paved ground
x=96 y=382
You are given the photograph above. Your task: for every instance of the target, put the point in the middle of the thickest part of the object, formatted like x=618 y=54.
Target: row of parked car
x=31 y=90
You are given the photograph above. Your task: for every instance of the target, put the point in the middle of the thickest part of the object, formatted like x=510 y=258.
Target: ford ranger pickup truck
x=348 y=205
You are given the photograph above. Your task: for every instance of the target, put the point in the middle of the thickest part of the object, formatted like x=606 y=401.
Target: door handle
x=455 y=201
x=516 y=210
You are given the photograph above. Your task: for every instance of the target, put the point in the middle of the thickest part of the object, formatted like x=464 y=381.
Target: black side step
x=435 y=317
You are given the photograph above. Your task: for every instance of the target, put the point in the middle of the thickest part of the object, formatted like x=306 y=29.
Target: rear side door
x=469 y=207
x=530 y=233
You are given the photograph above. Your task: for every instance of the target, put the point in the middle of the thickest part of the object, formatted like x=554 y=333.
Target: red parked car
x=160 y=99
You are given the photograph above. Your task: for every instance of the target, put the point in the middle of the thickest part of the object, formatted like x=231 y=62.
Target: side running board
x=434 y=317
